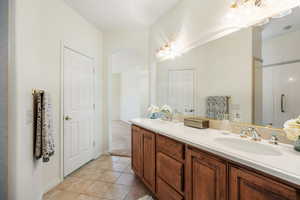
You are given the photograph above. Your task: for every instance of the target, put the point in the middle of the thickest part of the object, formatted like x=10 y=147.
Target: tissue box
x=196 y=122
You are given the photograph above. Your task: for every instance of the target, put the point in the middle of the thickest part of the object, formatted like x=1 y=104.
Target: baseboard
x=52 y=184
x=96 y=156
x=106 y=153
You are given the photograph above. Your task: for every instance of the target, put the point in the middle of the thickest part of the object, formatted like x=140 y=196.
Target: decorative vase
x=297 y=144
x=154 y=115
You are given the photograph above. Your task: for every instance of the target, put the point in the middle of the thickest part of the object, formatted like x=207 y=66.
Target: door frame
x=65 y=45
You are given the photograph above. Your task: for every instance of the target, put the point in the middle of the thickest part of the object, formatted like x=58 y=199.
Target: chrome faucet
x=255 y=136
x=274 y=140
x=243 y=133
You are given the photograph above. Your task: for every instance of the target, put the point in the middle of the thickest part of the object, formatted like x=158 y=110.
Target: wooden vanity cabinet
x=170 y=147
x=170 y=171
x=143 y=155
x=170 y=168
x=148 y=143
x=173 y=170
x=137 y=151
x=206 y=176
x=246 y=185
x=165 y=192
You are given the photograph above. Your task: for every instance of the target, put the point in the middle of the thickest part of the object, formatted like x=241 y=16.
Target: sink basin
x=248 y=146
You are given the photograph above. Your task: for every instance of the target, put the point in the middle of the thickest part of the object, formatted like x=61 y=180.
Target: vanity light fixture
x=169 y=51
x=244 y=10
x=246 y=3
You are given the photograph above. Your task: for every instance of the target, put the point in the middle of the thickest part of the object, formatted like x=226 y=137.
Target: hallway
x=107 y=178
x=120 y=139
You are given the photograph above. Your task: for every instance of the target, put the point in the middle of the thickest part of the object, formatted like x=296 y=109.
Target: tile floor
x=107 y=178
x=121 y=138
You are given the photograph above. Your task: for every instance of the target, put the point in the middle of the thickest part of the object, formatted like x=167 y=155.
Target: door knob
x=67 y=118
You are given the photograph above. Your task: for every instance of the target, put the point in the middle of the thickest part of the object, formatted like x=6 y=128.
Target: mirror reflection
x=251 y=76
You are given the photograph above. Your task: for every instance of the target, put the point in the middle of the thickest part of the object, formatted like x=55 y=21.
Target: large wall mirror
x=251 y=76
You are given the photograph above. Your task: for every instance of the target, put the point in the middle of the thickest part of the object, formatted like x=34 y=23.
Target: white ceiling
x=276 y=26
x=122 y=14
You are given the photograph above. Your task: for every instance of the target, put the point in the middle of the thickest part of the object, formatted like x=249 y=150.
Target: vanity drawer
x=170 y=147
x=165 y=192
x=171 y=171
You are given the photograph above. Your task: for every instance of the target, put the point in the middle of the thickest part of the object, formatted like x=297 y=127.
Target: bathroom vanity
x=177 y=162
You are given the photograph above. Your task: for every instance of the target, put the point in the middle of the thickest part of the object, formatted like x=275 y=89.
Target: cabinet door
x=245 y=185
x=149 y=159
x=137 y=153
x=206 y=177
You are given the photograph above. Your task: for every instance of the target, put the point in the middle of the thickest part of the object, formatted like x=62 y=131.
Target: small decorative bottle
x=297 y=144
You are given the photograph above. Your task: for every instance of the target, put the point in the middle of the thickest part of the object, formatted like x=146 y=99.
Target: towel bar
x=37 y=90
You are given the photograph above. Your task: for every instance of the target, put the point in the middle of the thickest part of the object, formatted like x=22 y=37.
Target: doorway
x=128 y=83
x=78 y=110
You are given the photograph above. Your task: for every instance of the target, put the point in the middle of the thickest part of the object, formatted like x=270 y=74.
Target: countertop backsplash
x=236 y=127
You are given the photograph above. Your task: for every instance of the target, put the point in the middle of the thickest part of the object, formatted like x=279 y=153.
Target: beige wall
x=134 y=84
x=40 y=27
x=116 y=96
x=282 y=48
x=223 y=68
x=4 y=60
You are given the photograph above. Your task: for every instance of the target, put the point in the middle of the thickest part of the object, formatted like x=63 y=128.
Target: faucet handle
x=274 y=140
x=255 y=136
x=250 y=129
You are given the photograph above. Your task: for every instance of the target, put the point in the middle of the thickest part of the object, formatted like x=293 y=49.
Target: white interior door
x=78 y=110
x=181 y=91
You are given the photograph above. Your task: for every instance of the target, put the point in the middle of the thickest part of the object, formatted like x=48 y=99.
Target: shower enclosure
x=281 y=98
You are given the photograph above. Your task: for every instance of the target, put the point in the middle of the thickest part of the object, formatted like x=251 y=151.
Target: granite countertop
x=280 y=161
